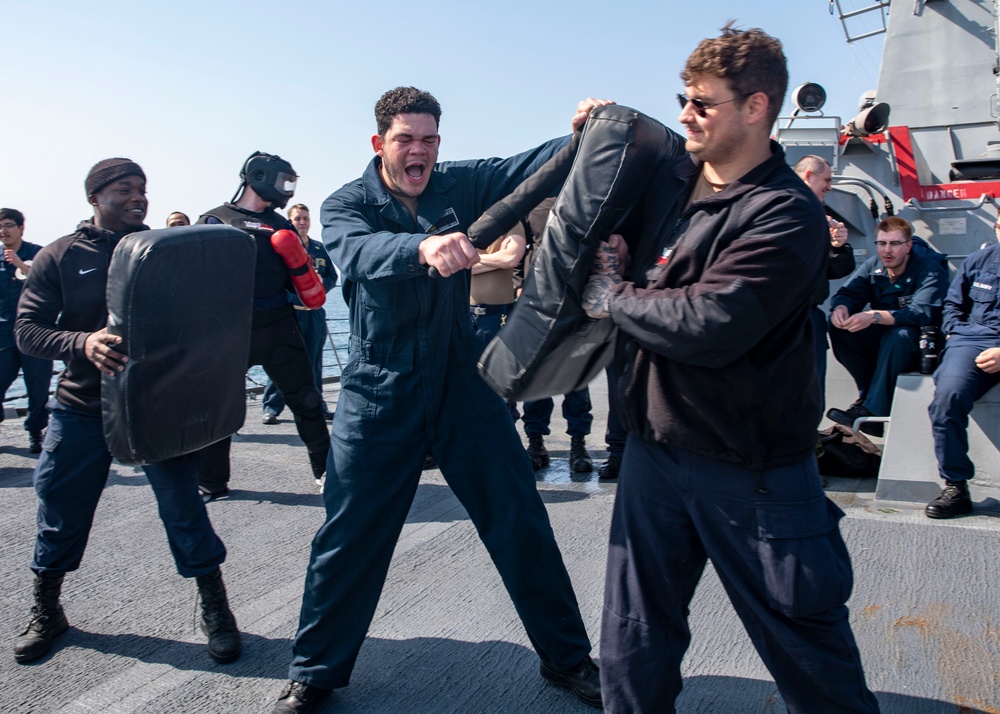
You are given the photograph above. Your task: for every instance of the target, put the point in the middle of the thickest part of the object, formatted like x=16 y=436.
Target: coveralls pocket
x=358 y=402
x=378 y=297
x=806 y=566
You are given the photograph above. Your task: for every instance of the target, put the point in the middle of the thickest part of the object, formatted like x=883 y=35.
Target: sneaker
x=537 y=452
x=429 y=462
x=299 y=698
x=609 y=469
x=35 y=442
x=207 y=495
x=849 y=415
x=584 y=679
x=269 y=419
x=953 y=501
x=856 y=411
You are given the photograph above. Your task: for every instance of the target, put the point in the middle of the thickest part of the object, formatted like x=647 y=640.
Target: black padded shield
x=549 y=346
x=181 y=299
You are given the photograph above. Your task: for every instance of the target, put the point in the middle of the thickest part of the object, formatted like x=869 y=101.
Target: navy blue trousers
x=312 y=325
x=487 y=327
x=615 y=433
x=819 y=323
x=381 y=432
x=874 y=357
x=774 y=541
x=958 y=383
x=69 y=478
x=576 y=410
x=37 y=375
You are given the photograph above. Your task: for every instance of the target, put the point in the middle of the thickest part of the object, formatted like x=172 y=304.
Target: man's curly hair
x=749 y=61
x=404 y=100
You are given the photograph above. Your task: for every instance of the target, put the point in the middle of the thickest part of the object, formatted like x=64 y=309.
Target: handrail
x=914 y=203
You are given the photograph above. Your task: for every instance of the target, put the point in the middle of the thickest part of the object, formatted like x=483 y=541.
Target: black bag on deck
x=181 y=299
x=843 y=453
x=549 y=346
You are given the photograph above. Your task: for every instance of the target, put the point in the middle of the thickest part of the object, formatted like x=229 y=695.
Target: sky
x=190 y=89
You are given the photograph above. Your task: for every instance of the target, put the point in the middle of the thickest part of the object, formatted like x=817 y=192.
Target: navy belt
x=480 y=310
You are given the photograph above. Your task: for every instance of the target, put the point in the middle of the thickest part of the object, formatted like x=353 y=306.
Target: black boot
x=48 y=621
x=579 y=460
x=953 y=501
x=35 y=441
x=537 y=452
x=609 y=471
x=217 y=621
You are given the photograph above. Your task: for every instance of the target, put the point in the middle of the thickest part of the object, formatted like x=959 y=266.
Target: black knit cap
x=110 y=170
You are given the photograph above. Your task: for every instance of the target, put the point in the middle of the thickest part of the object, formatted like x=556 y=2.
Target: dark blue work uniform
x=37 y=372
x=877 y=355
x=972 y=321
x=312 y=325
x=62 y=303
x=410 y=389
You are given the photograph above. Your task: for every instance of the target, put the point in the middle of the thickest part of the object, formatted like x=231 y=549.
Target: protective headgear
x=270 y=176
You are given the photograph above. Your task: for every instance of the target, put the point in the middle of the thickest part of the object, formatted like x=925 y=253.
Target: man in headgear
x=63 y=315
x=276 y=344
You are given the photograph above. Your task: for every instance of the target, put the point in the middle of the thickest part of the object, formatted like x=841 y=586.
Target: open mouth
x=414 y=172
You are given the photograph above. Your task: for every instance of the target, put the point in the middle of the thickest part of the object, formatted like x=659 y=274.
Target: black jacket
x=62 y=302
x=720 y=350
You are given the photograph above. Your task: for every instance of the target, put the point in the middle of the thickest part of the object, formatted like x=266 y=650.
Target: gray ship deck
x=445 y=637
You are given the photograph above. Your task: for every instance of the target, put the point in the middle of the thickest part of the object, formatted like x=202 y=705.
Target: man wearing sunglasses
x=720 y=398
x=878 y=314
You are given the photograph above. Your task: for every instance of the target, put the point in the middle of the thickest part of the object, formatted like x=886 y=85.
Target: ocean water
x=334 y=354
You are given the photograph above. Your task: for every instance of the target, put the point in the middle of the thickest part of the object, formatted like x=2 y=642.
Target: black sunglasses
x=700 y=106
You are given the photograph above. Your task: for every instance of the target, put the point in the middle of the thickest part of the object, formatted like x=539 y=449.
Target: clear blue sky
x=190 y=89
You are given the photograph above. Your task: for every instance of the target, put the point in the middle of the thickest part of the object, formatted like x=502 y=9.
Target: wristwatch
x=876 y=317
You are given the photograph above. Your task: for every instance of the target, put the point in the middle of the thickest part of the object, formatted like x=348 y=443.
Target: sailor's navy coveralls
x=972 y=321
x=411 y=388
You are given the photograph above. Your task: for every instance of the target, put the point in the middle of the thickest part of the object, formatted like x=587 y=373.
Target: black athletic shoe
x=584 y=679
x=207 y=495
x=953 y=501
x=856 y=411
x=299 y=698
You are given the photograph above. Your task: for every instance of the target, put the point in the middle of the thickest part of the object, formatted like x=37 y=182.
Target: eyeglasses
x=8 y=226
x=700 y=106
x=890 y=243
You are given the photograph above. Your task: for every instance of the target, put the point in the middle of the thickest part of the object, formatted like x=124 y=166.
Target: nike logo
x=84 y=272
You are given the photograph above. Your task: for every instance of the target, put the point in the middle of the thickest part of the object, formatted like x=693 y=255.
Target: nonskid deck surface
x=445 y=638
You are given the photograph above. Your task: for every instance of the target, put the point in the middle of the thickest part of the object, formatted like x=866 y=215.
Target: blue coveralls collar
x=433 y=202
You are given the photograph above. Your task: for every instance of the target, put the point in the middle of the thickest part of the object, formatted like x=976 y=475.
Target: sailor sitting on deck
x=970 y=367
x=903 y=287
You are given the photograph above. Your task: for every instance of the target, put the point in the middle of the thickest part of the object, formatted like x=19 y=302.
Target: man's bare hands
x=989 y=360
x=448 y=253
x=583 y=111
x=98 y=349
x=838 y=232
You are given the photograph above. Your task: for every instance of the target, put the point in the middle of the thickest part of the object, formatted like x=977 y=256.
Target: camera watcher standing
x=15 y=264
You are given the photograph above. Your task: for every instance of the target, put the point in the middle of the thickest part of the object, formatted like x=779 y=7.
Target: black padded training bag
x=181 y=299
x=549 y=346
